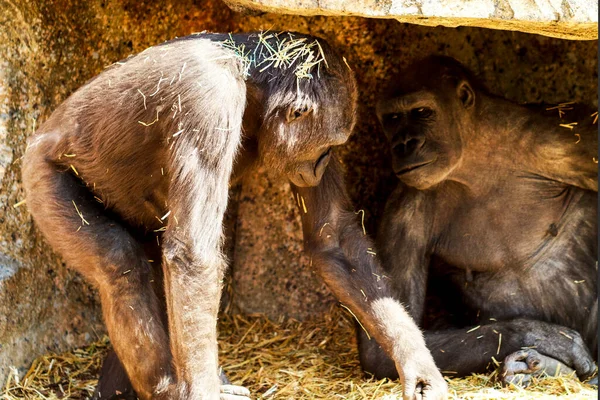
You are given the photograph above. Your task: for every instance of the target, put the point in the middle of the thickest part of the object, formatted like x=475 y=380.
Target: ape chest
x=487 y=239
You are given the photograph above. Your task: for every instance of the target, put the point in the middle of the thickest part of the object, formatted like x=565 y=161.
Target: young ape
x=139 y=161
x=496 y=215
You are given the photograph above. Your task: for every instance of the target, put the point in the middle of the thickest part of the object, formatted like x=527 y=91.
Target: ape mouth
x=322 y=161
x=412 y=167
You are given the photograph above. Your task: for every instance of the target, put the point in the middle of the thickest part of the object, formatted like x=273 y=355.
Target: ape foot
x=593 y=381
x=233 y=392
x=521 y=366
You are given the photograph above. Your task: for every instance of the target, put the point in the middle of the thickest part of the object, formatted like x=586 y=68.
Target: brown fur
x=501 y=225
x=138 y=162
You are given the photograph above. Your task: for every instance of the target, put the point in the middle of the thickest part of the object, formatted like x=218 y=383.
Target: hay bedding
x=279 y=360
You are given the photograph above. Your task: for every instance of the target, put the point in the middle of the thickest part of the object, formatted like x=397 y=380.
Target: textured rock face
x=272 y=273
x=49 y=48
x=567 y=19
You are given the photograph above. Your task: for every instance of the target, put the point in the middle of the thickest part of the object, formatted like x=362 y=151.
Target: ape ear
x=466 y=94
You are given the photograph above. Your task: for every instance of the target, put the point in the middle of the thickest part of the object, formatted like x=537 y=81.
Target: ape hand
x=559 y=343
x=233 y=392
x=421 y=380
x=519 y=367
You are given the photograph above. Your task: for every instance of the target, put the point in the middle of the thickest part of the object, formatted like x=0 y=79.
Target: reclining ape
x=495 y=218
x=138 y=162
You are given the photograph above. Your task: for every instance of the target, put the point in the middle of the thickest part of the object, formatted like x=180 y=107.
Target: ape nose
x=309 y=173
x=408 y=147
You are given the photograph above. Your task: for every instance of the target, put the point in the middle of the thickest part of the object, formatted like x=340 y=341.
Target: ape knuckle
x=577 y=338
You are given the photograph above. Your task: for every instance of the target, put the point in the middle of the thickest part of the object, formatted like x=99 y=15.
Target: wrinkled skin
x=493 y=222
x=128 y=181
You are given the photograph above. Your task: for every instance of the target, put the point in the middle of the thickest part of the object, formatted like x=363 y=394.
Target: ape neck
x=248 y=154
x=254 y=112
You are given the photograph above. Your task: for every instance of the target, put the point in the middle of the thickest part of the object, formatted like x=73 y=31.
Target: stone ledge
x=566 y=19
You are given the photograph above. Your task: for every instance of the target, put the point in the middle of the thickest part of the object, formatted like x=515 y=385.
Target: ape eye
x=392 y=116
x=295 y=113
x=421 y=112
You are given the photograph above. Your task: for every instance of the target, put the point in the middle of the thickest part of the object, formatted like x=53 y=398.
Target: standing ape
x=139 y=161
x=496 y=215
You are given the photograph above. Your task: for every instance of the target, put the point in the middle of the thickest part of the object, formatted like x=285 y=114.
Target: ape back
x=139 y=160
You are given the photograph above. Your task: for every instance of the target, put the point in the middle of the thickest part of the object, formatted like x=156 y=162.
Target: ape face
x=304 y=118
x=423 y=124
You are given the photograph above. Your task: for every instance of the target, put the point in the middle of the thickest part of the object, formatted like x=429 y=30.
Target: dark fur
x=501 y=225
x=128 y=180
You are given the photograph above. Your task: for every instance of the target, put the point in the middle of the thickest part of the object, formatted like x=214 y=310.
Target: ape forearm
x=346 y=259
x=365 y=291
x=402 y=246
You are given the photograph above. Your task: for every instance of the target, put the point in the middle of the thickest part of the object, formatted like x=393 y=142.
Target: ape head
x=425 y=114
x=307 y=106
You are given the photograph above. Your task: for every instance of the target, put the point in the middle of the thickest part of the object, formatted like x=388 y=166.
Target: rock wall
x=49 y=48
x=566 y=19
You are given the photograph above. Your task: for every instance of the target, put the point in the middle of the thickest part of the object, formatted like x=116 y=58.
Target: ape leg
x=193 y=263
x=115 y=385
x=104 y=252
x=459 y=352
x=463 y=351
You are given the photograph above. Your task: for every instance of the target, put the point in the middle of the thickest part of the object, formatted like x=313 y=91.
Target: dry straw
x=280 y=51
x=281 y=360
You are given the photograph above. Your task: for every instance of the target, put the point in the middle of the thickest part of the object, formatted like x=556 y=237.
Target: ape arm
x=402 y=242
x=460 y=352
x=345 y=258
x=402 y=245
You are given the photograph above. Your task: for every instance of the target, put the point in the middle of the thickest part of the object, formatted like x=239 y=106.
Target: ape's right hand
x=421 y=379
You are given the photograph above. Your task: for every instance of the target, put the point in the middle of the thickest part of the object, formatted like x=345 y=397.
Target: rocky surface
x=567 y=19
x=271 y=274
x=49 y=48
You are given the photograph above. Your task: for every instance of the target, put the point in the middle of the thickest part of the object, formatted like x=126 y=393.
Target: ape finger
x=432 y=392
x=541 y=364
x=419 y=389
x=232 y=397
x=518 y=380
x=584 y=364
x=409 y=389
x=580 y=357
x=235 y=391
x=414 y=389
x=531 y=361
